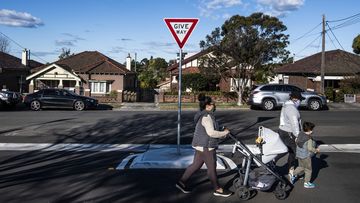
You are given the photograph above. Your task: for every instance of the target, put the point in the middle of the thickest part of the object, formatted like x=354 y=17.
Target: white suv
x=270 y=96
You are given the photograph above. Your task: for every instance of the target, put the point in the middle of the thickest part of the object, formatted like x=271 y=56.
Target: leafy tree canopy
x=245 y=47
x=356 y=45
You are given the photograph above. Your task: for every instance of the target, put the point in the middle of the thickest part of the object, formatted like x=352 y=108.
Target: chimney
x=25 y=56
x=128 y=62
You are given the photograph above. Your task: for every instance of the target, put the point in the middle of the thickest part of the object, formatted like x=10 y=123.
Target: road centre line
x=345 y=148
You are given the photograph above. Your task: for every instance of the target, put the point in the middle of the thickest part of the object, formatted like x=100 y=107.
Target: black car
x=58 y=98
x=8 y=98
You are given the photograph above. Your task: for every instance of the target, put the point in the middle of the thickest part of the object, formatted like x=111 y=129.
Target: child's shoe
x=309 y=185
x=293 y=179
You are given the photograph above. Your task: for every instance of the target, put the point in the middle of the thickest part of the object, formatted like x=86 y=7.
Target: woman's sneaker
x=309 y=185
x=181 y=186
x=222 y=193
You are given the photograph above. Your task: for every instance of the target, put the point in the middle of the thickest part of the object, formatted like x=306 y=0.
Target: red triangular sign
x=181 y=28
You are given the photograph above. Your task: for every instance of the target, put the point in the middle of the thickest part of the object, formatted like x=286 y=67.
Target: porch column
x=77 y=87
x=60 y=86
x=31 y=86
x=87 y=93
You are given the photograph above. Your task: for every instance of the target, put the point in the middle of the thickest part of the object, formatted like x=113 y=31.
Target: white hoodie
x=290 y=120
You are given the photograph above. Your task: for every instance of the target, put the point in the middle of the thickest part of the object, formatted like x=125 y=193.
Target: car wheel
x=79 y=106
x=314 y=104
x=35 y=105
x=268 y=104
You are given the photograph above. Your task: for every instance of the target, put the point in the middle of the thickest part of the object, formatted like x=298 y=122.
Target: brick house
x=306 y=73
x=13 y=71
x=191 y=65
x=88 y=73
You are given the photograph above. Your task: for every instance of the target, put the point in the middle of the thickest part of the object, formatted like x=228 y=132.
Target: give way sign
x=181 y=28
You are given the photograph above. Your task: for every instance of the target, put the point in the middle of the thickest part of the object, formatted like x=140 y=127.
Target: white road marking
x=346 y=148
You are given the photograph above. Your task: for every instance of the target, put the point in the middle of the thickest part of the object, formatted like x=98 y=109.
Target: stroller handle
x=234 y=138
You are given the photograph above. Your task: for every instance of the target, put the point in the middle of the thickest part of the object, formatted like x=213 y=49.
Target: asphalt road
x=43 y=176
x=159 y=127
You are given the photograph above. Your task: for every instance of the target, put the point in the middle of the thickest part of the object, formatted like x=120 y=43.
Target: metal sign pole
x=179 y=104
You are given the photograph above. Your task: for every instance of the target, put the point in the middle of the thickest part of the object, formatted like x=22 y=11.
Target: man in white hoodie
x=290 y=126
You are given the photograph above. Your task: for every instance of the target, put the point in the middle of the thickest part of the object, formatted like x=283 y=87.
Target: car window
x=278 y=88
x=51 y=93
x=290 y=88
x=268 y=88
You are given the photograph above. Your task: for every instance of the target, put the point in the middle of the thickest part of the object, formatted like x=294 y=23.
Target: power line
x=12 y=40
x=345 y=55
x=347 y=23
x=304 y=35
x=332 y=21
x=22 y=46
x=335 y=36
x=308 y=45
x=331 y=40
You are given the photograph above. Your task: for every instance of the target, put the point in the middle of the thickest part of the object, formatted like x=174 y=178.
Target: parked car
x=58 y=98
x=270 y=96
x=9 y=98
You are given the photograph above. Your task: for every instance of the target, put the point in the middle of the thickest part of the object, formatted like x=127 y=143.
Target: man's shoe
x=309 y=185
x=181 y=186
x=222 y=193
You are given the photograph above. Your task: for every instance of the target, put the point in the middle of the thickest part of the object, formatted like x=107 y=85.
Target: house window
x=99 y=87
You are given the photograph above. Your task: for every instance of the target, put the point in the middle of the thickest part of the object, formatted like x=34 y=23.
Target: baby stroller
x=257 y=170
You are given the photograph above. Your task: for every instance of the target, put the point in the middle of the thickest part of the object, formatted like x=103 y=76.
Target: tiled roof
x=9 y=61
x=92 y=62
x=337 y=62
x=187 y=70
x=189 y=59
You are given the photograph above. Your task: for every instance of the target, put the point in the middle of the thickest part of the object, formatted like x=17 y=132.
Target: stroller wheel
x=280 y=195
x=238 y=182
x=280 y=191
x=243 y=193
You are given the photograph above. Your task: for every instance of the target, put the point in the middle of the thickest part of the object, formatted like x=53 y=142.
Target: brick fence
x=167 y=98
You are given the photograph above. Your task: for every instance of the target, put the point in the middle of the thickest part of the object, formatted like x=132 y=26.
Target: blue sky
x=119 y=27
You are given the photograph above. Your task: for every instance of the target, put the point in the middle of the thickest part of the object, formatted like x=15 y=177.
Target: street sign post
x=181 y=29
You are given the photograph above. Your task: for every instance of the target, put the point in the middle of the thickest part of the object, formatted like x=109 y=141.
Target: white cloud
x=19 y=19
x=226 y=16
x=118 y=49
x=65 y=42
x=154 y=44
x=74 y=37
x=279 y=7
x=207 y=7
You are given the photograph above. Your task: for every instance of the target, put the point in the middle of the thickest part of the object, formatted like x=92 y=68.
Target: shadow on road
x=65 y=176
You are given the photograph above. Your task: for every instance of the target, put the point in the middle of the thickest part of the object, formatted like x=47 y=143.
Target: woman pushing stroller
x=205 y=143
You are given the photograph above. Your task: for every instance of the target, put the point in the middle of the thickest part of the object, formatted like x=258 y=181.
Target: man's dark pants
x=289 y=140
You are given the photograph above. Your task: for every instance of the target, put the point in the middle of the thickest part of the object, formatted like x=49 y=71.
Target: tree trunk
x=240 y=92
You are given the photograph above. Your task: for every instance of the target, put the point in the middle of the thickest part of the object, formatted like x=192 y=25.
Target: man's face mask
x=297 y=103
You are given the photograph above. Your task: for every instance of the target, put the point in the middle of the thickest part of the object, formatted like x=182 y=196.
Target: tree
x=152 y=71
x=194 y=81
x=245 y=46
x=65 y=53
x=356 y=45
x=4 y=45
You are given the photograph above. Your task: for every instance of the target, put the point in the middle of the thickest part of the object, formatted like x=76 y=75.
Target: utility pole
x=322 y=90
x=135 y=62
